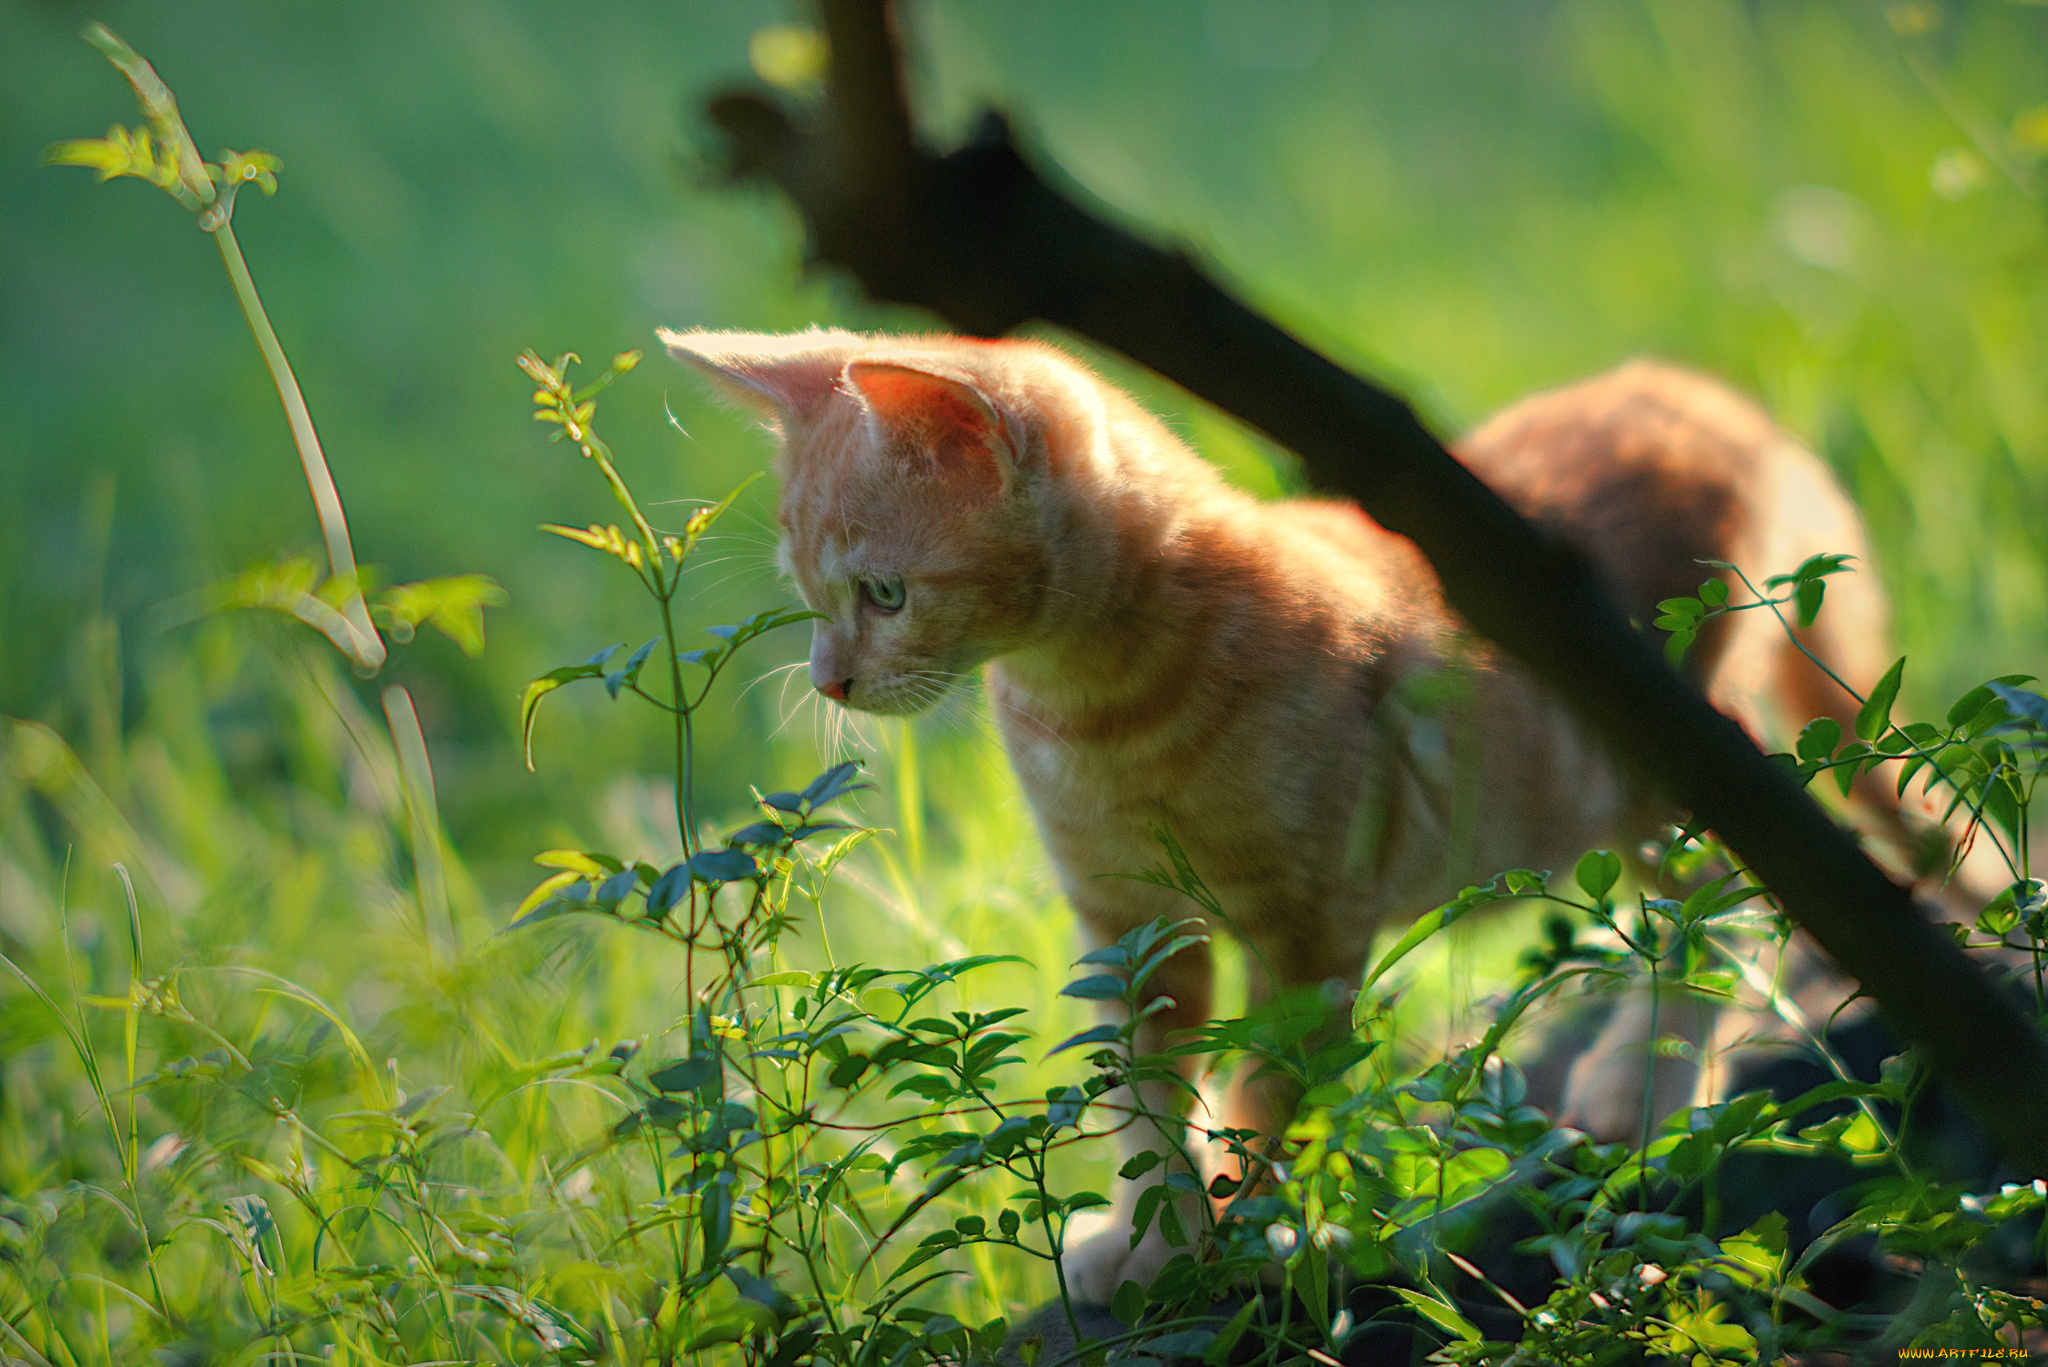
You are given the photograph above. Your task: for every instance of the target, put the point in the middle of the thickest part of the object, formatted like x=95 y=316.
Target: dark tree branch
x=978 y=237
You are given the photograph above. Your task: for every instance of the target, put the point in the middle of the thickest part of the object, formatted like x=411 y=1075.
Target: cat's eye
x=886 y=594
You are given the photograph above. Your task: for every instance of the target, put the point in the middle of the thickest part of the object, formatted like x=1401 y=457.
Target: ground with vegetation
x=777 y=1055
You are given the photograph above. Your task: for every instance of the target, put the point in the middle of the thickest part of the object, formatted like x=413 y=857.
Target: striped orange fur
x=1279 y=684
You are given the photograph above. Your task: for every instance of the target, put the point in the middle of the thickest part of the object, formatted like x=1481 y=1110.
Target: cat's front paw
x=1099 y=1262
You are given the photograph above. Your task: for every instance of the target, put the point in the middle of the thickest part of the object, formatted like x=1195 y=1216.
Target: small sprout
x=242 y=168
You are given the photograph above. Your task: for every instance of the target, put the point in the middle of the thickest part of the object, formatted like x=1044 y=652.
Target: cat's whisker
x=696 y=563
x=790 y=709
x=924 y=696
x=937 y=683
x=955 y=715
x=744 y=576
x=845 y=723
x=765 y=675
x=773 y=534
x=1042 y=728
x=736 y=558
x=748 y=537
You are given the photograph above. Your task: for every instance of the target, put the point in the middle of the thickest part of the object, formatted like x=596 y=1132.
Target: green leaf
x=1182 y=1343
x=760 y=833
x=2022 y=703
x=1875 y=716
x=614 y=889
x=1972 y=702
x=1128 y=1304
x=1808 y=597
x=1101 y=1034
x=629 y=672
x=684 y=1075
x=548 y=1324
x=723 y=866
x=715 y=1216
x=1138 y=1164
x=834 y=783
x=1811 y=569
x=1440 y=1313
x=1714 y=592
x=1149 y=1202
x=1845 y=767
x=762 y=1292
x=1220 y=1351
x=1597 y=873
x=1172 y=1226
x=733 y=1324
x=453 y=605
x=1098 y=987
x=1817 y=566
x=1424 y=927
x=530 y=700
x=1817 y=741
x=1676 y=646
x=668 y=890
x=1825 y=1093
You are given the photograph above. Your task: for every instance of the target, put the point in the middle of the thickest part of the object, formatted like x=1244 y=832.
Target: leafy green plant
x=161 y=152
x=802 y=1095
x=395 y=1156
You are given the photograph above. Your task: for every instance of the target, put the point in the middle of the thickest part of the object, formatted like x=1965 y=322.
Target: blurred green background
x=1832 y=204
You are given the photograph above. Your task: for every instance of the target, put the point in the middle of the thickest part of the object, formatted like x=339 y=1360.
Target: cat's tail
x=1775 y=677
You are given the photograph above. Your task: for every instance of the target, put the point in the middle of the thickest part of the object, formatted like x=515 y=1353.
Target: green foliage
x=258 y=1105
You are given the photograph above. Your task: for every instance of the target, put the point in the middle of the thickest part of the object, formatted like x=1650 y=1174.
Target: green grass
x=220 y=1107
x=282 y=894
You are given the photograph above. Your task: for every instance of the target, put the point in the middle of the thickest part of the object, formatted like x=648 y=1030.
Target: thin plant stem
x=367 y=647
x=416 y=781
x=1650 y=1072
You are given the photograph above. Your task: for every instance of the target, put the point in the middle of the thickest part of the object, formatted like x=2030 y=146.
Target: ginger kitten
x=1163 y=649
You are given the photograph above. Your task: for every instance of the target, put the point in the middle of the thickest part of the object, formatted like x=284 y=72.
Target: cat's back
x=1650 y=467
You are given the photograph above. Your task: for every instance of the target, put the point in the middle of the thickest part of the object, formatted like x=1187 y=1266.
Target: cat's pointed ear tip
x=723 y=348
x=700 y=346
x=726 y=355
x=792 y=373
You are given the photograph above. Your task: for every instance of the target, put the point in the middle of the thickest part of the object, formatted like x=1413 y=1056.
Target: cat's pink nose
x=835 y=689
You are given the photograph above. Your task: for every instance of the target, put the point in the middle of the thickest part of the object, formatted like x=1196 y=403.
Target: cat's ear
x=791 y=374
x=945 y=414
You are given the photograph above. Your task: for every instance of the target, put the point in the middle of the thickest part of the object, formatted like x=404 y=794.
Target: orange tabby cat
x=1280 y=684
